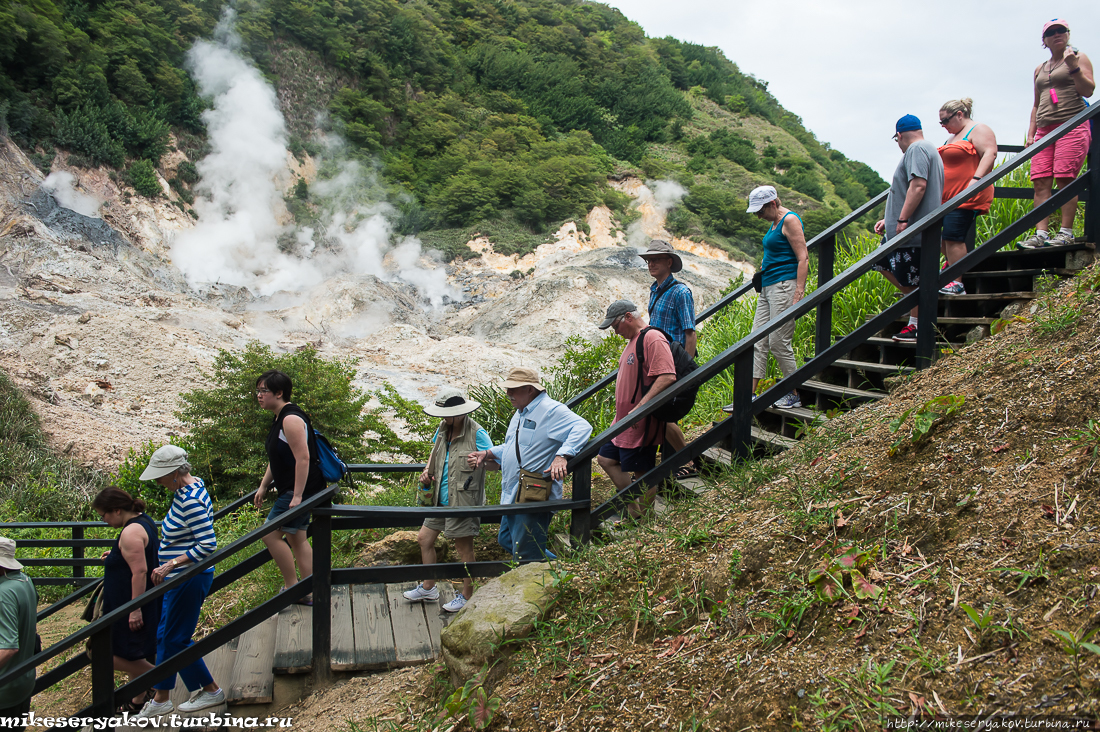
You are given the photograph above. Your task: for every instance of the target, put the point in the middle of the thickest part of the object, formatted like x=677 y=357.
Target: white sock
x=1041 y=233
x=912 y=321
x=1064 y=230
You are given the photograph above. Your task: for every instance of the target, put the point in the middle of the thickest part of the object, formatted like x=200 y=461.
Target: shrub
x=143 y=177
x=228 y=429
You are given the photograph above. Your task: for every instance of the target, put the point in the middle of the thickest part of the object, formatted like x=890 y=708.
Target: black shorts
x=631 y=459
x=904 y=264
x=958 y=224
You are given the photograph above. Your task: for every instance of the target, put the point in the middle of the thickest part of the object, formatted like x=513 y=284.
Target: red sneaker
x=908 y=334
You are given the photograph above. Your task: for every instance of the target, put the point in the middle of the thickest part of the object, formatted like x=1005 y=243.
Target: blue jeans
x=524 y=536
x=178 y=619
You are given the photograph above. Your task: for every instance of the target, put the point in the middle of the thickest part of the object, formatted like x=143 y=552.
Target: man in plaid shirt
x=672 y=309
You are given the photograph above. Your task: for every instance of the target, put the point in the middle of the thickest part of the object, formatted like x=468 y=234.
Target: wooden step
x=843 y=392
x=219 y=663
x=879 y=341
x=775 y=442
x=1057 y=271
x=294 y=641
x=252 y=680
x=951 y=320
x=979 y=297
x=878 y=368
x=799 y=413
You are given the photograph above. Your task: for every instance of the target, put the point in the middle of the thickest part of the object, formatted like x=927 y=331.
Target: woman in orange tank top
x=967 y=156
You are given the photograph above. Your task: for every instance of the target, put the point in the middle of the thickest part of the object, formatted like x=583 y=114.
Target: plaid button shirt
x=674 y=313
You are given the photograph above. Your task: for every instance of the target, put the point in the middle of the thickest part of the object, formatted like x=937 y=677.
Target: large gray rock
x=504 y=608
x=400 y=547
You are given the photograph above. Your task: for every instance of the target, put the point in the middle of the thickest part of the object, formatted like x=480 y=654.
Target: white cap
x=760 y=196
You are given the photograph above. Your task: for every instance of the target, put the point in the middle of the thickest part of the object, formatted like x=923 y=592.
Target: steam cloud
x=239 y=238
x=656 y=200
x=62 y=186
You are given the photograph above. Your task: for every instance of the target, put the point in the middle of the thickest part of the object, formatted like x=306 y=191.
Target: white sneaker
x=421 y=594
x=203 y=700
x=789 y=402
x=456 y=604
x=1060 y=239
x=155 y=710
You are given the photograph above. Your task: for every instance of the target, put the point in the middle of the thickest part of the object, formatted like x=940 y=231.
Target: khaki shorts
x=455 y=528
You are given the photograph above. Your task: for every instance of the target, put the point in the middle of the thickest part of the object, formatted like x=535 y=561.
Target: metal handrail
x=824 y=292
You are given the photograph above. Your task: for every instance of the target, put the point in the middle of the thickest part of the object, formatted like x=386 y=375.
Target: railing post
x=103 y=674
x=78 y=553
x=580 y=524
x=322 y=598
x=826 y=256
x=929 y=295
x=740 y=440
x=1092 y=206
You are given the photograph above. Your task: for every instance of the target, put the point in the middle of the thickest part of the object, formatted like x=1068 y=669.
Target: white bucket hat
x=165 y=460
x=450 y=402
x=7 y=554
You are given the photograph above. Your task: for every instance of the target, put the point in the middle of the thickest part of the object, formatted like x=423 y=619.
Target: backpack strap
x=672 y=282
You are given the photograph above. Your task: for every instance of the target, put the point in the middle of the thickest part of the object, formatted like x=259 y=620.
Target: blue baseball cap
x=908 y=123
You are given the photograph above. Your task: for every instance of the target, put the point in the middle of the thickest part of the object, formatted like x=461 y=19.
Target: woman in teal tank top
x=783 y=275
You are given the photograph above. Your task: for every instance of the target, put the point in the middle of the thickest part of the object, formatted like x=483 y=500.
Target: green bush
x=143 y=177
x=227 y=429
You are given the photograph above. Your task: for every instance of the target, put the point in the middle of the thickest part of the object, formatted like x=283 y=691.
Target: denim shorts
x=631 y=459
x=282 y=505
x=957 y=224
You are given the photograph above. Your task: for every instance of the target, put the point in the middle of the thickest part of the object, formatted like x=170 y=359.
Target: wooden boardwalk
x=373 y=628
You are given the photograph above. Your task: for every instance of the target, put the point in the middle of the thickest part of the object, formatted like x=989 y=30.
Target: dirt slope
x=705 y=620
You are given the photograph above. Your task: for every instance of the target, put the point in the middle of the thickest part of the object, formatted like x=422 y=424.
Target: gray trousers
x=771 y=302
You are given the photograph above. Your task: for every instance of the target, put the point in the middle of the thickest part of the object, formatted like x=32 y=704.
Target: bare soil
x=705 y=620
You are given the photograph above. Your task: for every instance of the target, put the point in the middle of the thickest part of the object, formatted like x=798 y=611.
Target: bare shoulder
x=134 y=534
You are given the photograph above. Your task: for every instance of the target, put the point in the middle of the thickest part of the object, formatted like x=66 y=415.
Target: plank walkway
x=373 y=628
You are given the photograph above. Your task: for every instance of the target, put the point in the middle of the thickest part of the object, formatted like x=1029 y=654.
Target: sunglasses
x=1055 y=31
x=896 y=137
x=948 y=118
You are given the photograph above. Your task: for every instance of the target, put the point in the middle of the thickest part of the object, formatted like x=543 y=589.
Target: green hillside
x=503 y=115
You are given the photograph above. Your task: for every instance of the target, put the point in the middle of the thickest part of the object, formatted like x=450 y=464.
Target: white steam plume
x=237 y=239
x=655 y=201
x=62 y=185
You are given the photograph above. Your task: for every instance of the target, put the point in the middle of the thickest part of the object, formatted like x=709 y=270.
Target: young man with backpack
x=672 y=309
x=635 y=450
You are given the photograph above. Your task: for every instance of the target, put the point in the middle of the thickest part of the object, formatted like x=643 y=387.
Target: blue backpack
x=332 y=467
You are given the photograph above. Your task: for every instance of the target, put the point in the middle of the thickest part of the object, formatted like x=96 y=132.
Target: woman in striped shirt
x=187 y=536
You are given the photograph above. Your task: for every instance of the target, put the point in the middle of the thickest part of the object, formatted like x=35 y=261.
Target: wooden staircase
x=1003 y=283
x=374 y=628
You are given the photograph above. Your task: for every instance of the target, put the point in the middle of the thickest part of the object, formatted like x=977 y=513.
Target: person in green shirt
x=18 y=626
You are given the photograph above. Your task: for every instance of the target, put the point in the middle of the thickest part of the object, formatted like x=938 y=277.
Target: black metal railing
x=737 y=429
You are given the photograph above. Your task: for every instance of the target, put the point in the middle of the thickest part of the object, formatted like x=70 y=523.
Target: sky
x=851 y=68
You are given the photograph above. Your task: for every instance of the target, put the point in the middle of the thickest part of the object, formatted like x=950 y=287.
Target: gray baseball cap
x=615 y=309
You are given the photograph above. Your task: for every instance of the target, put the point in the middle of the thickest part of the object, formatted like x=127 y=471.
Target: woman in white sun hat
x=783 y=279
x=448 y=480
x=187 y=537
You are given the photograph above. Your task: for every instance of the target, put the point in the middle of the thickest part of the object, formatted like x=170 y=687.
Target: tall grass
x=869 y=294
x=36 y=484
x=1004 y=211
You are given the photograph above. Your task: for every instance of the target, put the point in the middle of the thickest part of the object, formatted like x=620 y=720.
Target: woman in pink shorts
x=1061 y=85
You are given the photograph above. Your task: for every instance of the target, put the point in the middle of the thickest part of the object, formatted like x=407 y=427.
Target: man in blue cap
x=915 y=191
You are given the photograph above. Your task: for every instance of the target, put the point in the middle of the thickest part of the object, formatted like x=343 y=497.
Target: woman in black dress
x=126 y=570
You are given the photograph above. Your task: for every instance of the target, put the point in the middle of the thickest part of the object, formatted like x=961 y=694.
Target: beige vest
x=465 y=487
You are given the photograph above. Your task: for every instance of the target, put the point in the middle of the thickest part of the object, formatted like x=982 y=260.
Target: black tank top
x=281 y=458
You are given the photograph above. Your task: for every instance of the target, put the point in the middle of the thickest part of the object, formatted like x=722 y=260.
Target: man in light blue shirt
x=549 y=434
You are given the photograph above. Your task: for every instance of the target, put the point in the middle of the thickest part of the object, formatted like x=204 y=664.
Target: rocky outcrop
x=503 y=609
x=400 y=547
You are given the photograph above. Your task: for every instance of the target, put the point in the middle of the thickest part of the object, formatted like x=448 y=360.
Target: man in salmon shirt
x=635 y=451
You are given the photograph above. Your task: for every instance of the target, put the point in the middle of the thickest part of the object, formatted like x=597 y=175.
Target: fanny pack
x=533 y=487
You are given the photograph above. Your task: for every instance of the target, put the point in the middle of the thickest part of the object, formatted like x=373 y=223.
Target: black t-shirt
x=281 y=458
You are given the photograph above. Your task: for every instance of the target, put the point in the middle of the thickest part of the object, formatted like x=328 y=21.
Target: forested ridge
x=477 y=113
